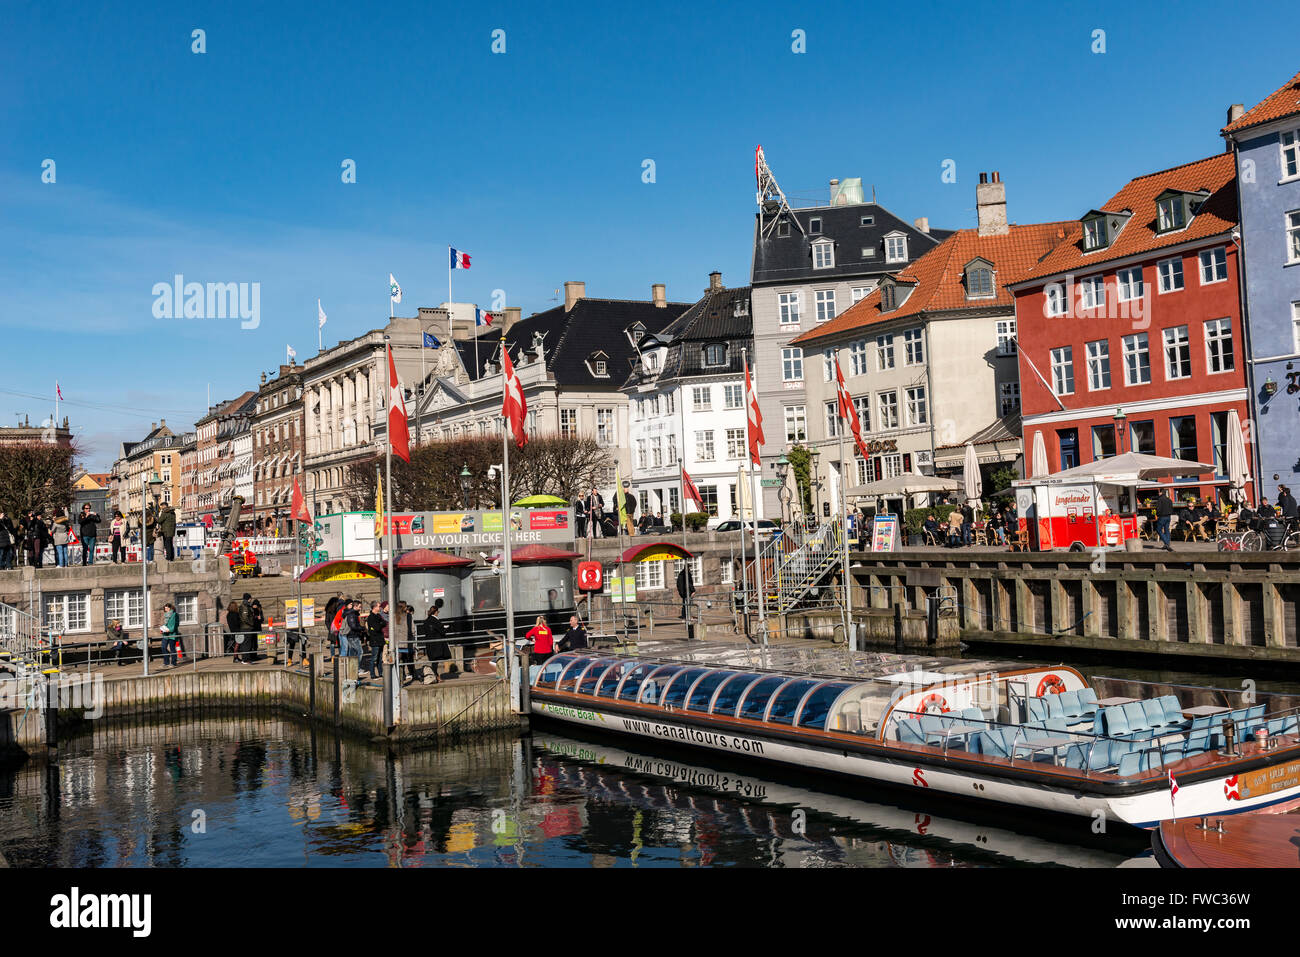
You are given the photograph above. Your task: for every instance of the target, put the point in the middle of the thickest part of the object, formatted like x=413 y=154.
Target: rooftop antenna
x=772 y=204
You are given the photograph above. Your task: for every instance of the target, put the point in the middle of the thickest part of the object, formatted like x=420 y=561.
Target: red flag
x=755 y=419
x=298 y=506
x=399 y=434
x=1173 y=787
x=691 y=493
x=514 y=407
x=848 y=411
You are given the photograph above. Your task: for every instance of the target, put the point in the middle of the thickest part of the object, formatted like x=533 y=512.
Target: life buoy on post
x=1051 y=684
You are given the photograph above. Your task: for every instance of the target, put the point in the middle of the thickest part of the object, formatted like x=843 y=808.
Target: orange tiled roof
x=1218 y=214
x=1284 y=101
x=938 y=276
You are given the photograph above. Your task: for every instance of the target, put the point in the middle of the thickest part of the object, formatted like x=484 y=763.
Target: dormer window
x=650 y=362
x=823 y=253
x=888 y=297
x=600 y=368
x=715 y=354
x=783 y=229
x=1170 y=214
x=635 y=333
x=598 y=364
x=867 y=221
x=740 y=308
x=896 y=248
x=979 y=279
x=1094 y=233
x=815 y=226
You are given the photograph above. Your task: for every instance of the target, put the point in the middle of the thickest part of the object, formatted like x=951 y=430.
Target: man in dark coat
x=1286 y=503
x=434 y=633
x=249 y=619
x=89 y=524
x=167 y=529
x=8 y=536
x=375 y=638
x=1164 y=513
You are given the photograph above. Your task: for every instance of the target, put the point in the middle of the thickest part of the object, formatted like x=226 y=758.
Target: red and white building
x=1130 y=333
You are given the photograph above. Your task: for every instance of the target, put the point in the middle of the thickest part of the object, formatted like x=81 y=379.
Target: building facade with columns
x=278 y=442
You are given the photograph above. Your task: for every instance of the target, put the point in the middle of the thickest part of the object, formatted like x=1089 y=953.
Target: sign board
x=770 y=483
x=884 y=533
x=308 y=613
x=590 y=576
x=622 y=589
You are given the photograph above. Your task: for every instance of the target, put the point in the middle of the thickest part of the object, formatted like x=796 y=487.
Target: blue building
x=1266 y=140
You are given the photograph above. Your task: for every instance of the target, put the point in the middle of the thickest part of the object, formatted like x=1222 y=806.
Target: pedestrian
x=331 y=622
x=576 y=637
x=248 y=622
x=580 y=516
x=8 y=536
x=543 y=641
x=38 y=538
x=118 y=645
x=354 y=631
x=234 y=630
x=170 y=634
x=999 y=525
x=375 y=637
x=595 y=514
x=167 y=530
x=1264 y=510
x=1164 y=513
x=119 y=529
x=1286 y=503
x=967 y=523
x=89 y=525
x=148 y=531
x=406 y=637
x=435 y=638
x=59 y=529
x=629 y=507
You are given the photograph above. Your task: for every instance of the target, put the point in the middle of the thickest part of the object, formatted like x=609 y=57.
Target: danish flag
x=1173 y=787
x=691 y=493
x=399 y=434
x=1230 y=789
x=514 y=407
x=848 y=411
x=755 y=418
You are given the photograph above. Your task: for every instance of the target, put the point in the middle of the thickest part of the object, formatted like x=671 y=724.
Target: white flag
x=394 y=290
x=321 y=313
x=292 y=355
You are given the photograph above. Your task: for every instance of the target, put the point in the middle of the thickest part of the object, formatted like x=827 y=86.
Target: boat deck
x=1246 y=840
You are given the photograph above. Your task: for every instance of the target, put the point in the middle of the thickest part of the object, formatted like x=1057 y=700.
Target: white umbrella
x=1238 y=471
x=1038 y=465
x=908 y=483
x=796 y=500
x=971 y=477
x=1133 y=466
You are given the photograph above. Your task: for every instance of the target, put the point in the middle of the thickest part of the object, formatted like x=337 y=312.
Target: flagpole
x=507 y=576
x=844 y=509
x=753 y=507
x=681 y=408
x=297 y=577
x=744 y=558
x=391 y=685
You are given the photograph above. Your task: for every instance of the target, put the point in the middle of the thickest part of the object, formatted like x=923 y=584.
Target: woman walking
x=117 y=530
x=59 y=530
x=375 y=637
x=233 y=629
x=543 y=641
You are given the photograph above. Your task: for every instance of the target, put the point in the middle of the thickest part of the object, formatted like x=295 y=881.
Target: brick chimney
x=922 y=223
x=1236 y=112
x=513 y=315
x=658 y=294
x=573 y=291
x=991 y=204
x=715 y=281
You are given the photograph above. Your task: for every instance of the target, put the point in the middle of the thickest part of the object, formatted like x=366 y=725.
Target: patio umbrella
x=971 y=477
x=796 y=500
x=1134 y=466
x=1238 y=471
x=1038 y=465
x=540 y=501
x=908 y=483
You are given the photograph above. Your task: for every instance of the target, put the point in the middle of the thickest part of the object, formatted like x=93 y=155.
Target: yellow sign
x=291 y=613
x=659 y=555
x=1269 y=780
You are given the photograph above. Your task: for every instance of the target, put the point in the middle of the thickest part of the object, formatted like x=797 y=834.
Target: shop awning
x=340 y=570
x=655 y=551
x=537 y=555
x=425 y=558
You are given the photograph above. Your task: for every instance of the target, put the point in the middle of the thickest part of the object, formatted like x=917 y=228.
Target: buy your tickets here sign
x=453 y=529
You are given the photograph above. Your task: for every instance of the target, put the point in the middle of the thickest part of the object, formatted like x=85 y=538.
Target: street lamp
x=153 y=483
x=465 y=480
x=782 y=470
x=1119 y=431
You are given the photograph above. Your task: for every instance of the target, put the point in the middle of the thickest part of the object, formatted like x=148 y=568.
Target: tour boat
x=1026 y=737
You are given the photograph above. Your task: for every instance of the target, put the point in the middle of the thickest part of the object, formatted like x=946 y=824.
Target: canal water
x=272 y=791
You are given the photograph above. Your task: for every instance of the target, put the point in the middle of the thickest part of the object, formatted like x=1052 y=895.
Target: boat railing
x=1227 y=697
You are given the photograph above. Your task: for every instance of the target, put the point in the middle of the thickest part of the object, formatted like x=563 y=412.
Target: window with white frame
x=1006 y=337
x=792 y=364
x=1094 y=233
x=1170 y=272
x=891 y=466
x=1098 y=364
x=640 y=453
x=1178 y=353
x=1293 y=236
x=815 y=225
x=569 y=423
x=1218 y=346
x=828 y=365
x=788 y=303
x=1092 y=292
x=1295 y=324
x=733 y=396
x=1054 y=300
x=913 y=347
x=726 y=572
x=124 y=604
x=887 y=410
x=1008 y=398
x=979 y=283
x=1137 y=360
x=605 y=427
x=895 y=249
x=1169 y=214
x=696 y=566
x=863 y=405
x=832 y=420
x=1290 y=145
x=825 y=304
x=1130 y=284
x=884 y=352
x=735 y=443
x=1063 y=370
x=650 y=575
x=1214 y=263
x=796 y=424
x=704 y=446
x=858 y=357
x=670 y=441
x=656 y=452
x=823 y=255
x=918 y=412
x=67 y=612
x=860 y=292
x=701 y=398
x=715 y=354
x=187 y=609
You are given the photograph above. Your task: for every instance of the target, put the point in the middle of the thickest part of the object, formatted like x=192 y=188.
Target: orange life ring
x=1051 y=684
x=933 y=699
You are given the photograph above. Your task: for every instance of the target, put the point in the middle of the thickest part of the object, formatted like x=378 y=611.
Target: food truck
x=1076 y=512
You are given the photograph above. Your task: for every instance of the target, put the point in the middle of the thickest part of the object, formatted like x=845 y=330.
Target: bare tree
x=36 y=475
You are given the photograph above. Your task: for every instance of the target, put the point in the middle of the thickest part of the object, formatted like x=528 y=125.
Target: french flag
x=459 y=260
x=482 y=318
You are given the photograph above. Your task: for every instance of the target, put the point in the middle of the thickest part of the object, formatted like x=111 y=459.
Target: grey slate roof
x=780 y=259
x=713 y=319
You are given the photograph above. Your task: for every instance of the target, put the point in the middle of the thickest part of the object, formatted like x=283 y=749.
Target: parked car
x=733 y=525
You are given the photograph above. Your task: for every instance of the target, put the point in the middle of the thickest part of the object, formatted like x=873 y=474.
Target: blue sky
x=226 y=166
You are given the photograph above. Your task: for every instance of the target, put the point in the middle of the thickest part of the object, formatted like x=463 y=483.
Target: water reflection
x=267 y=791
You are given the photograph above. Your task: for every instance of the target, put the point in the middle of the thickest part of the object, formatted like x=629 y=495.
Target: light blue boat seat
x=1287 y=724
x=1173 y=711
x=1076 y=756
x=1116 y=722
x=1137 y=717
x=1088 y=700
x=1054 y=706
x=1037 y=709
x=994 y=742
x=972 y=714
x=909 y=732
x=1070 y=706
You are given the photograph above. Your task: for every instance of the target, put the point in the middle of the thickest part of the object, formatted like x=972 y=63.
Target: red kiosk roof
x=537 y=555
x=666 y=550
x=423 y=558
